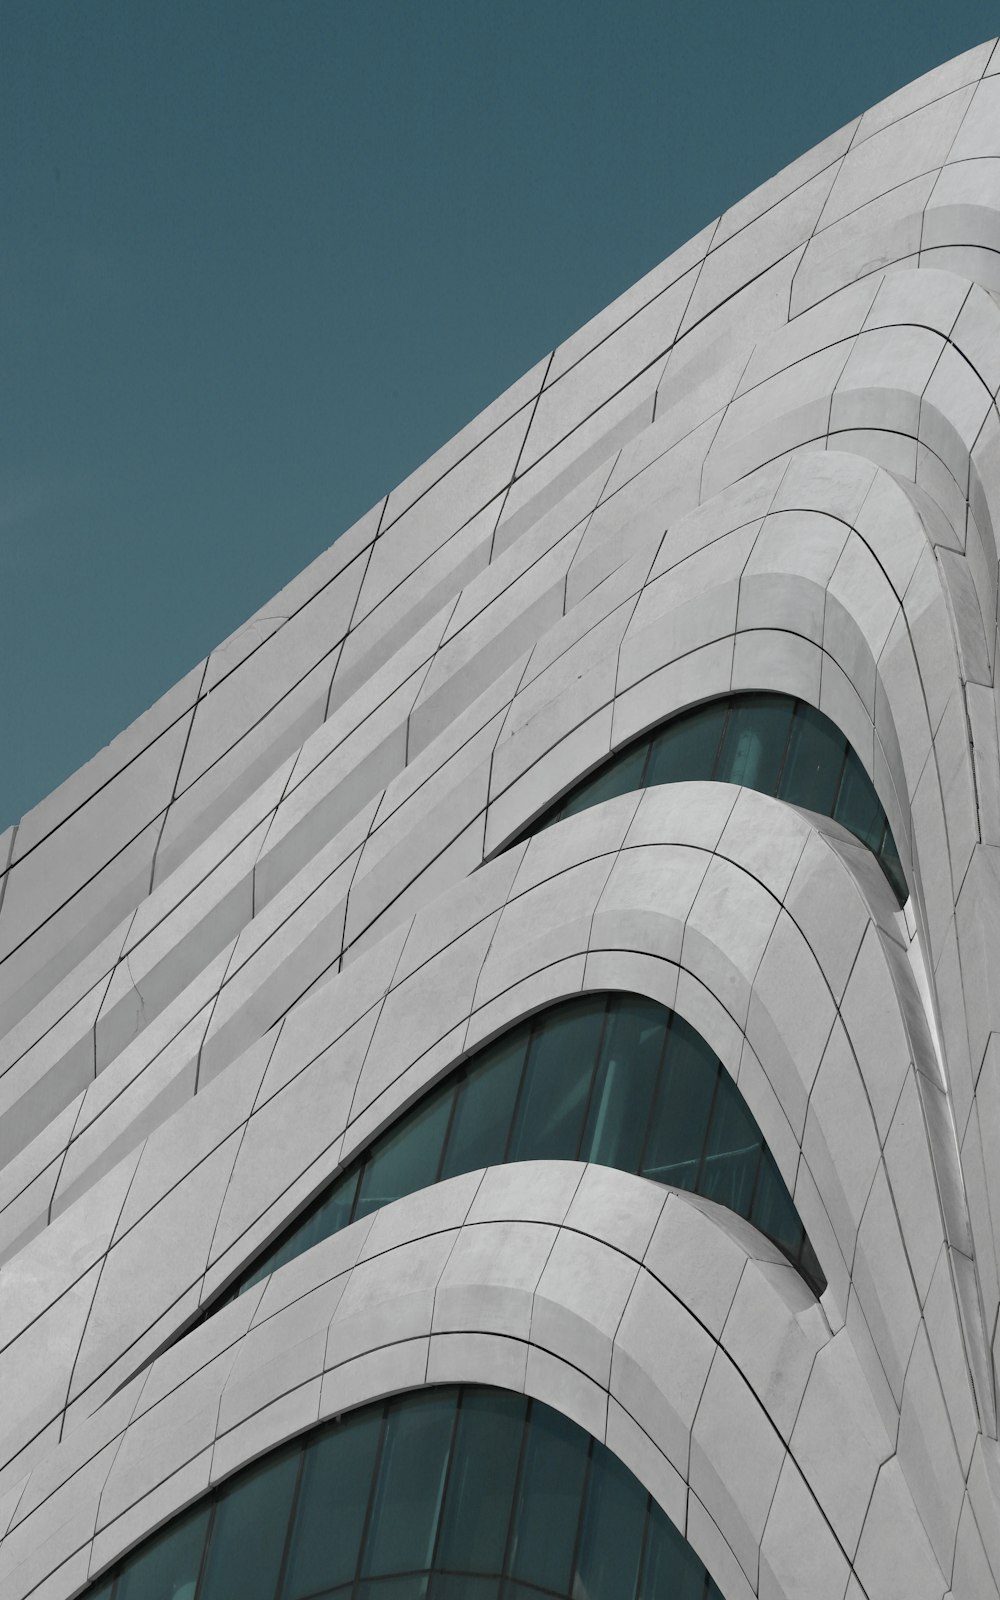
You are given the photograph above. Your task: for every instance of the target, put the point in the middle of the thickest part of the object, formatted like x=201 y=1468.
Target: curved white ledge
x=634 y=1310
x=728 y=897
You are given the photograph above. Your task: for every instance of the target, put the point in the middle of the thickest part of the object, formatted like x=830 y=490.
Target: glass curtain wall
x=769 y=742
x=614 y=1079
x=443 y=1494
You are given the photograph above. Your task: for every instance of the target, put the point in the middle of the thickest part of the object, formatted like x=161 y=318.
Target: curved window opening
x=769 y=742
x=440 y=1494
x=615 y=1079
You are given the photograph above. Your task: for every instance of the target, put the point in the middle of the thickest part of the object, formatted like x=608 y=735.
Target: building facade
x=499 y=1093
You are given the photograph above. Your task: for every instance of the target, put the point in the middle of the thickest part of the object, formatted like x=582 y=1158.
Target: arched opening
x=615 y=1079
x=441 y=1494
x=769 y=742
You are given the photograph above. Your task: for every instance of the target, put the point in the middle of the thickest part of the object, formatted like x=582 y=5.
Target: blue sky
x=258 y=260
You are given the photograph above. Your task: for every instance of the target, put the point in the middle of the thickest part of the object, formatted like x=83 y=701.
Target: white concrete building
x=673 y=1126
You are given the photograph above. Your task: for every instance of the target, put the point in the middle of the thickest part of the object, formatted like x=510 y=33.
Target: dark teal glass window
x=248 y=1532
x=443 y=1494
x=614 y=1079
x=336 y=1479
x=167 y=1566
x=769 y=742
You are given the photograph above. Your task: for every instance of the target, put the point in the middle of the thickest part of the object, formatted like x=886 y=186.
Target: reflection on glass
x=623 y=1090
x=683 y=1107
x=769 y=742
x=547 y=1511
x=610 y=1548
x=773 y=1212
x=691 y=750
x=166 y=1567
x=815 y=762
x=406 y=1158
x=442 y=1494
x=333 y=1499
x=618 y=777
x=481 y=1482
x=857 y=808
x=732 y=1151
x=248 y=1533
x=753 y=749
x=485 y=1109
x=670 y=1569
x=407 y=1503
x=446 y=1586
x=556 y=1083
